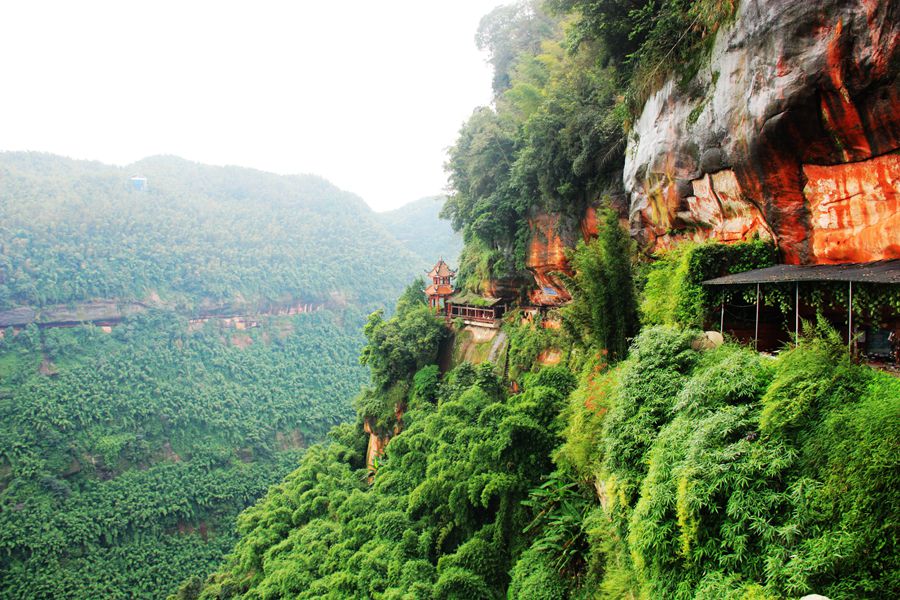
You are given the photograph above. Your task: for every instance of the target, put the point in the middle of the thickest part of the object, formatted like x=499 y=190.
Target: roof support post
x=722 y=314
x=796 y=312
x=756 y=330
x=850 y=321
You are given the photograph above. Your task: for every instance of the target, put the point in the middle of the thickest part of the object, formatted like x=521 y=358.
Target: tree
x=604 y=307
x=509 y=31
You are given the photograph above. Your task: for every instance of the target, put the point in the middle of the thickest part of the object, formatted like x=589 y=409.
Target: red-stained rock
x=789 y=86
x=855 y=210
x=507 y=287
x=376 y=444
x=717 y=209
x=590 y=224
x=546 y=259
x=549 y=357
x=379 y=440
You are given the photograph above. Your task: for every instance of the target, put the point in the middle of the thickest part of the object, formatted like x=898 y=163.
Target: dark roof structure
x=880 y=271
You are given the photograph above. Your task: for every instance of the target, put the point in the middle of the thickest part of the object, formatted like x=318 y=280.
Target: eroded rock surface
x=546 y=260
x=788 y=133
x=855 y=209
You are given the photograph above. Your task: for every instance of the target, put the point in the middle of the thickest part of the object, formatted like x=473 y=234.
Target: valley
x=628 y=354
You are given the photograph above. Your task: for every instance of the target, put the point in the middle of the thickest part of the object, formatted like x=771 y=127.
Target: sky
x=367 y=94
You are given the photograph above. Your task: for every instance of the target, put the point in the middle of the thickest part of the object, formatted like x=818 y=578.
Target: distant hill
x=419 y=228
x=72 y=231
x=224 y=310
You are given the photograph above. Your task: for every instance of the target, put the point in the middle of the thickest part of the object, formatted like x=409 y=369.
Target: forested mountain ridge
x=128 y=448
x=74 y=231
x=414 y=225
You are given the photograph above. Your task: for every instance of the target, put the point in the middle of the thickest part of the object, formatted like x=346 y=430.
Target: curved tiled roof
x=441 y=269
x=439 y=290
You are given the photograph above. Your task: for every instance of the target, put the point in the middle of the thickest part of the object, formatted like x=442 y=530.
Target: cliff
x=790 y=132
x=546 y=260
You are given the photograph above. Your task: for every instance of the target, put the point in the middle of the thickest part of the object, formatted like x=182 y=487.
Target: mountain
x=168 y=348
x=614 y=434
x=195 y=236
x=418 y=226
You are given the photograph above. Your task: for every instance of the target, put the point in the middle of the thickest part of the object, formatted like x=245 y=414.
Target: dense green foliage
x=603 y=312
x=403 y=344
x=526 y=341
x=649 y=39
x=147 y=436
x=673 y=293
x=553 y=141
x=725 y=474
x=72 y=231
x=675 y=474
x=396 y=349
x=566 y=86
x=443 y=518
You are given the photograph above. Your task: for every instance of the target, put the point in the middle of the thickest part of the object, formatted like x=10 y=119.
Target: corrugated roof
x=881 y=271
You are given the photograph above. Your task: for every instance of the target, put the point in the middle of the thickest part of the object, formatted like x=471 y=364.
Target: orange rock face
x=590 y=225
x=855 y=209
x=377 y=440
x=549 y=357
x=794 y=136
x=376 y=444
x=546 y=259
x=717 y=209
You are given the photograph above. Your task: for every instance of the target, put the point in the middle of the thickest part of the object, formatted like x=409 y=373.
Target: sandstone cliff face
x=546 y=260
x=791 y=132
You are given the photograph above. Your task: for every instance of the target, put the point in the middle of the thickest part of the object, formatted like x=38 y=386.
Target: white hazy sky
x=367 y=94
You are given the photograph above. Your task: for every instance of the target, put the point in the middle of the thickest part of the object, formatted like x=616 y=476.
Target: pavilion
x=877 y=328
x=473 y=309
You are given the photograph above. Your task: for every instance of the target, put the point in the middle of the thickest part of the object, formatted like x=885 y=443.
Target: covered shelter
x=474 y=309
x=882 y=272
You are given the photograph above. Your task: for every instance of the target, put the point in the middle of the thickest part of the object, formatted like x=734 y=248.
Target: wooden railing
x=486 y=315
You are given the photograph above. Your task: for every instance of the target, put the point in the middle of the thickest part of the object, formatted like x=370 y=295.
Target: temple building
x=440 y=288
x=473 y=309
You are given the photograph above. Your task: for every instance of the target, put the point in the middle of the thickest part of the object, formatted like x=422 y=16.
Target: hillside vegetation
x=126 y=454
x=128 y=466
x=569 y=77
x=73 y=231
x=674 y=473
x=418 y=226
